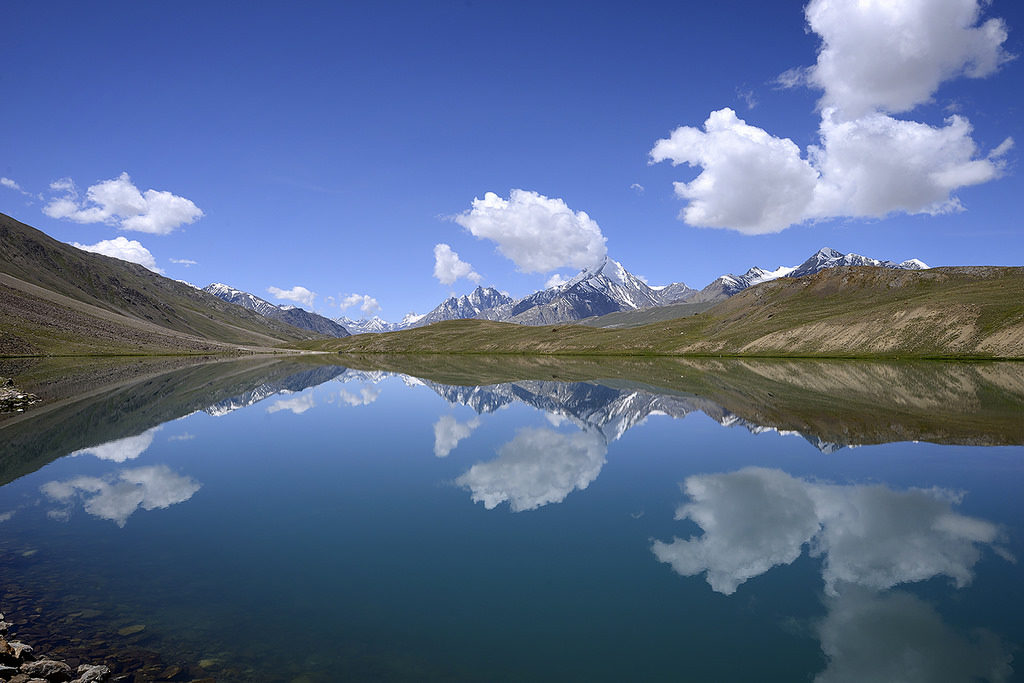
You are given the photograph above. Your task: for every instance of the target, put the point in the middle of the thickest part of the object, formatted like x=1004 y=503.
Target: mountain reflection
x=118 y=496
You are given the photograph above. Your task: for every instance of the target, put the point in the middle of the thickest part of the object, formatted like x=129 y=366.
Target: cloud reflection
x=898 y=637
x=871 y=536
x=117 y=498
x=448 y=432
x=539 y=466
x=366 y=396
x=297 y=405
x=121 y=450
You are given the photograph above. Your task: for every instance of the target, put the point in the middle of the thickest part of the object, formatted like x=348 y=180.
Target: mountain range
x=609 y=288
x=291 y=315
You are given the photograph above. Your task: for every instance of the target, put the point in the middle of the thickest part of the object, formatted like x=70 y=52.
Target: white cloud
x=876 y=58
x=871 y=536
x=119 y=202
x=898 y=637
x=367 y=304
x=556 y=280
x=537 y=233
x=746 y=95
x=297 y=405
x=892 y=56
x=751 y=181
x=448 y=432
x=121 y=450
x=116 y=499
x=876 y=165
x=7 y=182
x=299 y=295
x=124 y=249
x=448 y=267
x=637 y=187
x=187 y=262
x=367 y=395
x=539 y=466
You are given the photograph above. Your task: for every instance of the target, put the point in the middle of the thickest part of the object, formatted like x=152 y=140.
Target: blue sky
x=334 y=146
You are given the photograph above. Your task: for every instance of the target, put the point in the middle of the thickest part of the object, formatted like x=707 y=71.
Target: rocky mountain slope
x=55 y=298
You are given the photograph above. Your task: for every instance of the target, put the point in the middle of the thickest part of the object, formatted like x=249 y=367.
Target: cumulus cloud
x=751 y=180
x=537 y=467
x=876 y=165
x=537 y=233
x=299 y=295
x=124 y=249
x=365 y=397
x=448 y=267
x=876 y=59
x=892 y=56
x=448 y=432
x=121 y=450
x=117 y=498
x=119 y=202
x=871 y=536
x=297 y=405
x=898 y=637
x=367 y=304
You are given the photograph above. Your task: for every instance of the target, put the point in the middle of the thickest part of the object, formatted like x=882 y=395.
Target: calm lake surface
x=289 y=521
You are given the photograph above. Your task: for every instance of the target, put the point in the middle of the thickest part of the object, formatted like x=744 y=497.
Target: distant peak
x=829 y=252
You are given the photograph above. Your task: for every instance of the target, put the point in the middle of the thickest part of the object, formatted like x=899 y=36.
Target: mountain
x=469 y=305
x=57 y=299
x=962 y=312
x=606 y=288
x=830 y=258
x=292 y=315
x=729 y=285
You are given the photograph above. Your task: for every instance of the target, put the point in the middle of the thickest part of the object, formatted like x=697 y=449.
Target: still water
x=287 y=521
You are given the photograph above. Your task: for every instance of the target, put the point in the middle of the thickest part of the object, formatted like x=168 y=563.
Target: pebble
x=131 y=630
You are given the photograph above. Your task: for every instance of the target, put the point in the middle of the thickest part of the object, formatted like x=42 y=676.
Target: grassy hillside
x=55 y=298
x=968 y=312
x=646 y=316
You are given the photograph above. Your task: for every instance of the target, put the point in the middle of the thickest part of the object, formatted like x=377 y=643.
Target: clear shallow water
x=323 y=522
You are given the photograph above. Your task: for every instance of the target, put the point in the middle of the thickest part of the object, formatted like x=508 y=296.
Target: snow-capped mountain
x=365 y=325
x=830 y=258
x=728 y=285
x=288 y=314
x=605 y=288
x=466 y=306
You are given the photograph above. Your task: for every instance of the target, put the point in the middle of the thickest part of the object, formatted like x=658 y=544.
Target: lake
x=508 y=519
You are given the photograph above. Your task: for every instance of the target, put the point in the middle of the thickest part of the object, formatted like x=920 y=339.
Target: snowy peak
x=470 y=305
x=830 y=258
x=826 y=257
x=292 y=315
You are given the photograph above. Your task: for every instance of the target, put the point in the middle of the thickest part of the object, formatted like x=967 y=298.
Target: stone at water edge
x=92 y=673
x=46 y=668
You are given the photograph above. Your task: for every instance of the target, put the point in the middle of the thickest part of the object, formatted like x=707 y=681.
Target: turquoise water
x=335 y=524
